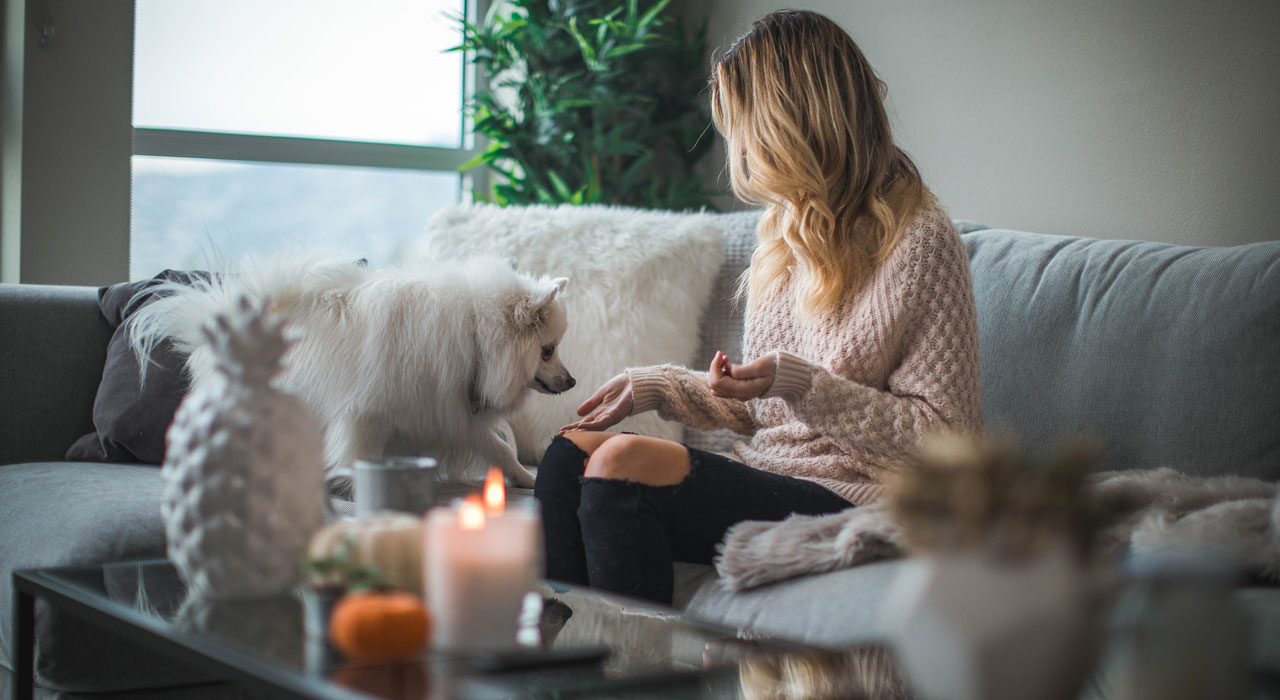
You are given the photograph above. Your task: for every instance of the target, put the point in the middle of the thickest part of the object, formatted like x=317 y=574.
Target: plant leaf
x=558 y=183
x=605 y=94
x=653 y=12
x=470 y=163
x=588 y=53
x=625 y=49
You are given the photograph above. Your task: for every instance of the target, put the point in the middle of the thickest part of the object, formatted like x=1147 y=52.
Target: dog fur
x=419 y=359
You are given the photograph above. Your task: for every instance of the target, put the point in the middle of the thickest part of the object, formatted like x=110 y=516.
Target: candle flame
x=471 y=514
x=495 y=495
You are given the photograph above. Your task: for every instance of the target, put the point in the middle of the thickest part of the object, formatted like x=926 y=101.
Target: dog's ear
x=529 y=310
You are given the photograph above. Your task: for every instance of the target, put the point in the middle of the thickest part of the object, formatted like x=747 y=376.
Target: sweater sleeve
x=682 y=395
x=935 y=386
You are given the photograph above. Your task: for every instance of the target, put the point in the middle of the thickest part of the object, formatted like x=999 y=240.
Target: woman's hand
x=607 y=407
x=742 y=382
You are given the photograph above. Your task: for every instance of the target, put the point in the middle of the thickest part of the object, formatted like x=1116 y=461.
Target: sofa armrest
x=53 y=344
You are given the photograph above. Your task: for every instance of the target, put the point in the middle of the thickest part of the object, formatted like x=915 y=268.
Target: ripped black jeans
x=623 y=536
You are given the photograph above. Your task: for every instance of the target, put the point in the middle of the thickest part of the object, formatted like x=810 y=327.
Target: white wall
x=1151 y=119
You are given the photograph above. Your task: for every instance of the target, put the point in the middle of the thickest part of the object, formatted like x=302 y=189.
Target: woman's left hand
x=742 y=382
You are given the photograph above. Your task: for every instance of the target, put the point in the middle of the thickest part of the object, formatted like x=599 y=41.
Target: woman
x=860 y=319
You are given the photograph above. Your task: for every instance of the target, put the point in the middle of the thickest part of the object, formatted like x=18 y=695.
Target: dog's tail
x=177 y=311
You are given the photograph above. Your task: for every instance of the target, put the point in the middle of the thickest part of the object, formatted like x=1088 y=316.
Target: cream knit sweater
x=855 y=392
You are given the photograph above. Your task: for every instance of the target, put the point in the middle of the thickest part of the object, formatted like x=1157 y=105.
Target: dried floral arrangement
x=987 y=496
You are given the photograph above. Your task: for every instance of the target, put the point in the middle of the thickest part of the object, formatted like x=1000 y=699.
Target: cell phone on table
x=524 y=659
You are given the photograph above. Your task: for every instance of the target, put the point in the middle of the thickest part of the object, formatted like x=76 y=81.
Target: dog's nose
x=571 y=383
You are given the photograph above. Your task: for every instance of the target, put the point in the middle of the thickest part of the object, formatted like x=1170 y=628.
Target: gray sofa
x=1169 y=354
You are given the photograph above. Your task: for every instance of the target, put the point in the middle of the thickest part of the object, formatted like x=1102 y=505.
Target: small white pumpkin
x=390 y=544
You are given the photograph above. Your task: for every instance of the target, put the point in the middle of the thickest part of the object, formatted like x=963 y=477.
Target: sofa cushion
x=638 y=280
x=63 y=513
x=1170 y=355
x=721 y=326
x=51 y=352
x=130 y=417
x=830 y=609
x=846 y=607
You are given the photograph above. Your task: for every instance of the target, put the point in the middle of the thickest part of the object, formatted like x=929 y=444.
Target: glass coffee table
x=270 y=649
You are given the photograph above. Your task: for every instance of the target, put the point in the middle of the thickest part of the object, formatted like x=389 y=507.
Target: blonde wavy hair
x=803 y=116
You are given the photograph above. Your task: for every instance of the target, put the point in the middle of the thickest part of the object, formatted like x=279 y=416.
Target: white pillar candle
x=480 y=562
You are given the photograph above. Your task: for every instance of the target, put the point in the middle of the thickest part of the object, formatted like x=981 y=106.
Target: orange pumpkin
x=377 y=626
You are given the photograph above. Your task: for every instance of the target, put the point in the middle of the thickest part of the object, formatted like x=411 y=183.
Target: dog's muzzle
x=559 y=388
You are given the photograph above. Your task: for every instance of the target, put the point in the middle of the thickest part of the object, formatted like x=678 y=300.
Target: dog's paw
x=521 y=478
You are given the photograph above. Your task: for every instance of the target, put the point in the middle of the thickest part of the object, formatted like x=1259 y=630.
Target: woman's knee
x=589 y=440
x=561 y=465
x=640 y=459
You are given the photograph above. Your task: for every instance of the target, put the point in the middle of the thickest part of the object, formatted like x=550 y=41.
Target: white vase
x=968 y=628
x=243 y=470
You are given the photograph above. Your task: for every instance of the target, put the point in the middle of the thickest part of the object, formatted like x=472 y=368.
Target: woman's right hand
x=607 y=407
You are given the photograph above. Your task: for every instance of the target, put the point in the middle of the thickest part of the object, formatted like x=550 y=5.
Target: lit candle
x=481 y=559
x=495 y=494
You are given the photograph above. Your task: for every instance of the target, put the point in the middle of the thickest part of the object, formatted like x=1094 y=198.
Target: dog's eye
x=547 y=352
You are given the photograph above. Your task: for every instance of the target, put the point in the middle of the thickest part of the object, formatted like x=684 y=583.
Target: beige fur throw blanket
x=1157 y=512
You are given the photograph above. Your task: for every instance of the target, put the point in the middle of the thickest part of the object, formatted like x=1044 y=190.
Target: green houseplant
x=591 y=101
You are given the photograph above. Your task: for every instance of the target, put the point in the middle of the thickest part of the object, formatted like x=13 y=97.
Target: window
x=335 y=125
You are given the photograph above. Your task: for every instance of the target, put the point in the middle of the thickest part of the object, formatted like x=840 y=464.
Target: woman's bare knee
x=641 y=459
x=589 y=440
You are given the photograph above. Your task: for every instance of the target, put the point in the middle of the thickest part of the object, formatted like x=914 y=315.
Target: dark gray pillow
x=130 y=417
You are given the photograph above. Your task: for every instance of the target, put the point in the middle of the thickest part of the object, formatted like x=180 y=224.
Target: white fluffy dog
x=418 y=359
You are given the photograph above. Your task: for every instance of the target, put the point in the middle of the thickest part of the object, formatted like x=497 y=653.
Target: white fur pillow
x=639 y=282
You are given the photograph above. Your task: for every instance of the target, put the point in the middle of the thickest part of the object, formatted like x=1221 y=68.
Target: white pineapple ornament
x=244 y=467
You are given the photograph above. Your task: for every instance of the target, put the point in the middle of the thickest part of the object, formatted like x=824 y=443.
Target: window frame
x=261 y=148
x=266 y=148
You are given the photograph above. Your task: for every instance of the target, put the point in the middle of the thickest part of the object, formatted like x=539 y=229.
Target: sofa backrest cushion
x=130 y=416
x=637 y=282
x=53 y=341
x=721 y=324
x=1170 y=355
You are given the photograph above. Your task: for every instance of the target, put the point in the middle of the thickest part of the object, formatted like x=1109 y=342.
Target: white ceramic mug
x=405 y=484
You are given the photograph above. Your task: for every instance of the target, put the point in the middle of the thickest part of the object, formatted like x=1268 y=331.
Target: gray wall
x=67 y=139
x=1151 y=119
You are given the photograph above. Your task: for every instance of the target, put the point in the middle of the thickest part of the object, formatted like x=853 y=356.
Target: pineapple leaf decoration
x=249 y=346
x=244 y=466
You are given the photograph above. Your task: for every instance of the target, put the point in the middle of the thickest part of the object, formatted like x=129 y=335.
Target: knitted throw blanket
x=1156 y=512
